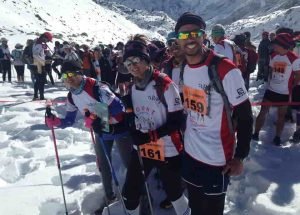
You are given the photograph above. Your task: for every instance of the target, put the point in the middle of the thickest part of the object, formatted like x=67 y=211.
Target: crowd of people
x=181 y=107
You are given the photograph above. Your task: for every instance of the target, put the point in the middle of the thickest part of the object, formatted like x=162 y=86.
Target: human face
x=174 y=49
x=71 y=79
x=136 y=66
x=192 y=46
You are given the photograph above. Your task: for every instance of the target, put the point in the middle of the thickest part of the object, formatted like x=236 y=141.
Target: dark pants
x=6 y=68
x=20 y=72
x=54 y=66
x=48 y=70
x=134 y=183
x=203 y=204
x=124 y=145
x=206 y=186
x=39 y=84
x=263 y=70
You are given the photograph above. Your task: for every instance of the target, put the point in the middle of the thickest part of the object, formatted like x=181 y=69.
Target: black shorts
x=276 y=97
x=296 y=97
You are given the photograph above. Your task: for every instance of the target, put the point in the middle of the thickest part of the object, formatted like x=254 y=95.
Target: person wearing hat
x=155 y=131
x=70 y=54
x=5 y=59
x=264 y=57
x=211 y=154
x=57 y=56
x=39 y=59
x=85 y=96
x=222 y=46
x=285 y=67
x=246 y=59
x=173 y=67
x=19 y=65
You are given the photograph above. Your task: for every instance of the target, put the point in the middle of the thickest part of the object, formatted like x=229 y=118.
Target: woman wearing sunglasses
x=155 y=129
x=86 y=95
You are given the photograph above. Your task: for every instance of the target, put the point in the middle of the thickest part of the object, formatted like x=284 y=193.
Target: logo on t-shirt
x=241 y=92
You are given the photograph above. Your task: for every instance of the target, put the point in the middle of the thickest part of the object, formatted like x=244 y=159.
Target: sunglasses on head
x=172 y=43
x=68 y=75
x=189 y=34
x=133 y=61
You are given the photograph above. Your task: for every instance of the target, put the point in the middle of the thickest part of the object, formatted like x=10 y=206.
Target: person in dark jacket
x=264 y=57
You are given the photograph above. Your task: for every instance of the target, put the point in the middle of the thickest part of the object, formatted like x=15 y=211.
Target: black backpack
x=27 y=56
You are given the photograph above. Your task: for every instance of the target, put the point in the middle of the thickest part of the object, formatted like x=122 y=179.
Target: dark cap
x=190 y=18
x=137 y=49
x=71 y=66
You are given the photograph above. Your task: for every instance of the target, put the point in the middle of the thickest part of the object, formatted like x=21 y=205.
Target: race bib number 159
x=195 y=100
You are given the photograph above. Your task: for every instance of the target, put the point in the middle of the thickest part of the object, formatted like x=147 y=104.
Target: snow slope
x=82 y=21
x=237 y=15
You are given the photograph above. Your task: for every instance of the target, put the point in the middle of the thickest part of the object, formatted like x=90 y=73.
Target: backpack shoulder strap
x=217 y=84
x=181 y=71
x=168 y=68
x=70 y=99
x=162 y=82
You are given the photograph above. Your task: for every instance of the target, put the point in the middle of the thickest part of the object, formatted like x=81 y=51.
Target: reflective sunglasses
x=128 y=63
x=68 y=75
x=187 y=34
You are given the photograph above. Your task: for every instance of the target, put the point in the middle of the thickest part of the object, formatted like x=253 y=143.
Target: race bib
x=195 y=100
x=153 y=150
x=279 y=67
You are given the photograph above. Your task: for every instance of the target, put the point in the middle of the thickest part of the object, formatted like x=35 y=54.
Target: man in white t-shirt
x=285 y=65
x=211 y=155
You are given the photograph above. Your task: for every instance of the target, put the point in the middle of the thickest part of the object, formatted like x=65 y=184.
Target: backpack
x=17 y=54
x=162 y=82
x=168 y=69
x=27 y=56
x=217 y=84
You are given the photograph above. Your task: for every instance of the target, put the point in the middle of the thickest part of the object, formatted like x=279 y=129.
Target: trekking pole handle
x=48 y=111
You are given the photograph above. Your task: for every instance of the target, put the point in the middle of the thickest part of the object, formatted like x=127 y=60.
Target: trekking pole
x=98 y=164
x=113 y=173
x=145 y=180
x=49 y=114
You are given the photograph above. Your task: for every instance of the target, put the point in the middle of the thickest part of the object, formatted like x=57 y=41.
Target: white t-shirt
x=85 y=99
x=283 y=67
x=207 y=136
x=224 y=47
x=151 y=113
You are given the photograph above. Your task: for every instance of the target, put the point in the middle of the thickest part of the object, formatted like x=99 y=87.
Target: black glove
x=98 y=126
x=140 y=138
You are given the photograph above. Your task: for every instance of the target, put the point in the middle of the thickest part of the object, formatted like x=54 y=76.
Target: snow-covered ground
x=29 y=178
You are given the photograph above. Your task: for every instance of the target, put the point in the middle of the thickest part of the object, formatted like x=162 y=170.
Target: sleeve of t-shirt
x=234 y=87
x=296 y=65
x=173 y=98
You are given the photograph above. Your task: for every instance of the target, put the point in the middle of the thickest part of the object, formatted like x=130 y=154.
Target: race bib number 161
x=153 y=150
